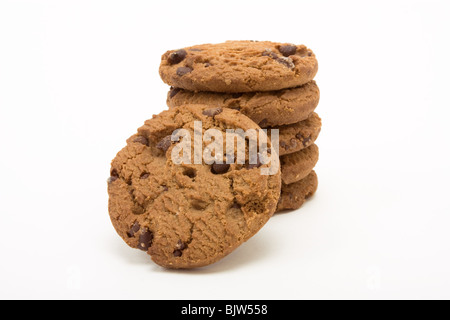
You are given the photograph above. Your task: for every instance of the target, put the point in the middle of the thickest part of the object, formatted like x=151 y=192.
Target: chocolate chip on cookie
x=212 y=112
x=184 y=70
x=270 y=53
x=113 y=176
x=177 y=56
x=288 y=50
x=145 y=175
x=283 y=60
x=220 y=168
x=178 y=252
x=173 y=92
x=134 y=229
x=145 y=239
x=141 y=139
x=165 y=143
x=287 y=62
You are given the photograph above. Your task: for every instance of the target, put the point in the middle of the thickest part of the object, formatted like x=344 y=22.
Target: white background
x=77 y=78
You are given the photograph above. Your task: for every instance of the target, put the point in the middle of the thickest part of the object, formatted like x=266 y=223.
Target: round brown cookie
x=297 y=136
x=272 y=108
x=239 y=66
x=295 y=194
x=296 y=166
x=187 y=215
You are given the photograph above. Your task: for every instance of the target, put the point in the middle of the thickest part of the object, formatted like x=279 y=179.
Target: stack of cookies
x=187 y=215
x=272 y=84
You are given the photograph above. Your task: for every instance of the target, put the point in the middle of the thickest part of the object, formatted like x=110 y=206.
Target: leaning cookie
x=187 y=215
x=239 y=66
x=294 y=195
x=297 y=136
x=272 y=108
x=296 y=166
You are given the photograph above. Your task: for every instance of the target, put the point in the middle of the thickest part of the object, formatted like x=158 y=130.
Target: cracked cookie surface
x=239 y=66
x=271 y=108
x=187 y=215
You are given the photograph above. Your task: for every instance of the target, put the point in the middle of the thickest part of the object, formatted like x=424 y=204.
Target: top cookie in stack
x=271 y=83
x=239 y=66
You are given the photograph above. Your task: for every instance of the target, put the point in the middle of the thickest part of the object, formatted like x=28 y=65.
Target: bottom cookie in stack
x=298 y=177
x=294 y=195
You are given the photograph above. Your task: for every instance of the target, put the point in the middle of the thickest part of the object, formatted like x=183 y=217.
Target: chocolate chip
x=112 y=179
x=164 y=143
x=236 y=95
x=145 y=239
x=183 y=70
x=190 y=172
x=145 y=175
x=135 y=228
x=141 y=139
x=305 y=140
x=212 y=112
x=177 y=253
x=165 y=188
x=173 y=92
x=270 y=53
x=218 y=168
x=288 y=50
x=286 y=61
x=113 y=176
x=177 y=56
x=283 y=60
x=181 y=245
x=207 y=65
x=236 y=205
x=199 y=204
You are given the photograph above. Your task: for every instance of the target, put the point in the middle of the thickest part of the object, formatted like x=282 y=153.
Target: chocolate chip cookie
x=187 y=215
x=272 y=108
x=296 y=166
x=295 y=194
x=239 y=66
x=297 y=136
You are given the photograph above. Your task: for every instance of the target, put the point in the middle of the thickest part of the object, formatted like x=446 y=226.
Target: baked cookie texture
x=239 y=66
x=294 y=195
x=296 y=166
x=272 y=108
x=297 y=136
x=187 y=215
